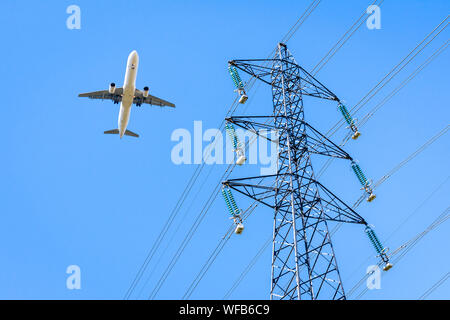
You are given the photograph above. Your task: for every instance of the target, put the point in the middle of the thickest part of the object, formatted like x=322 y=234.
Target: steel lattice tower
x=303 y=260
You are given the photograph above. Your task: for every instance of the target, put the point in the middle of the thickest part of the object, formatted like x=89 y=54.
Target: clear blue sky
x=71 y=195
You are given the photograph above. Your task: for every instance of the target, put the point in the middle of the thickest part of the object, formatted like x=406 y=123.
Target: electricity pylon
x=303 y=260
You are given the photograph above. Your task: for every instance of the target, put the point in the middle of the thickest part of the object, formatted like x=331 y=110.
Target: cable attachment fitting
x=350 y=121
x=238 y=83
x=236 y=213
x=379 y=248
x=237 y=147
x=366 y=184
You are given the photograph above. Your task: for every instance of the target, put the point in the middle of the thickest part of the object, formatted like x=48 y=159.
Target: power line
x=298 y=23
x=404 y=83
x=391 y=74
x=358 y=202
x=412 y=156
x=406 y=247
x=330 y=54
x=409 y=245
x=435 y=286
x=186 y=240
x=289 y=37
x=341 y=40
x=403 y=223
x=386 y=99
x=432 y=57
x=215 y=253
x=248 y=268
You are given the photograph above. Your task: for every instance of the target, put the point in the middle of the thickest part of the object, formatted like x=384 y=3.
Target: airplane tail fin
x=127 y=133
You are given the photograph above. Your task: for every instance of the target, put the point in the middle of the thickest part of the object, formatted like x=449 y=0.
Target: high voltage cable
x=158 y=241
x=330 y=58
x=418 y=208
x=189 y=236
x=435 y=286
x=435 y=54
x=251 y=84
x=248 y=268
x=399 y=67
x=195 y=176
x=343 y=40
x=409 y=245
x=186 y=240
x=168 y=222
x=190 y=233
x=216 y=252
x=403 y=223
x=386 y=99
x=404 y=59
x=176 y=210
x=288 y=38
x=208 y=263
x=300 y=21
x=415 y=211
x=412 y=156
x=413 y=242
x=175 y=232
x=395 y=169
x=408 y=159
x=358 y=106
x=198 y=192
x=358 y=202
x=403 y=84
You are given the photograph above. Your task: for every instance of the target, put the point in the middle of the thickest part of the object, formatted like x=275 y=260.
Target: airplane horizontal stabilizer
x=127 y=133
x=131 y=134
x=113 y=131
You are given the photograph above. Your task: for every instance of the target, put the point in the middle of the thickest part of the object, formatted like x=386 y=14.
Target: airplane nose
x=133 y=57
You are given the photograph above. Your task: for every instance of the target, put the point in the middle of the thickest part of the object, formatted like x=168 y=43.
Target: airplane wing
x=104 y=94
x=140 y=99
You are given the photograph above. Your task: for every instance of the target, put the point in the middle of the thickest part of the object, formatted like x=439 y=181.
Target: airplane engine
x=145 y=93
x=112 y=87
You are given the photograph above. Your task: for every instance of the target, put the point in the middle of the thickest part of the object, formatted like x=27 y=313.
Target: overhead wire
x=440 y=282
x=358 y=202
x=391 y=74
x=206 y=266
x=251 y=82
x=419 y=69
x=404 y=83
x=385 y=100
x=247 y=269
x=338 y=45
x=435 y=54
x=405 y=248
x=402 y=224
x=352 y=33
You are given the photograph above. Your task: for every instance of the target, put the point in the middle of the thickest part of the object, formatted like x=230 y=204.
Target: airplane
x=127 y=96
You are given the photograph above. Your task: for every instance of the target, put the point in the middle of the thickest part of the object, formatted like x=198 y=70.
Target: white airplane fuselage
x=129 y=88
